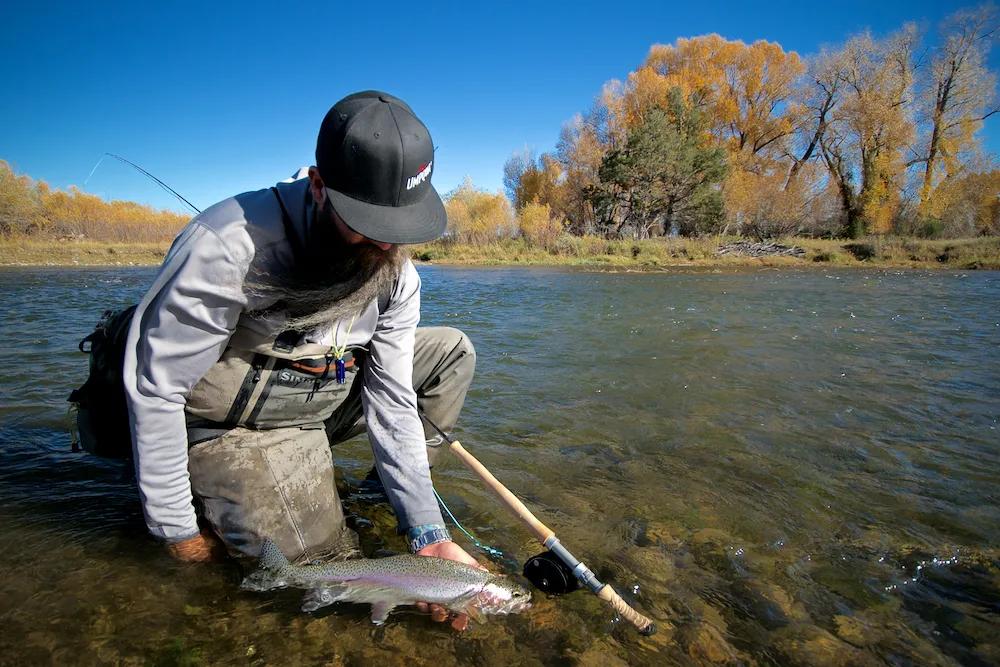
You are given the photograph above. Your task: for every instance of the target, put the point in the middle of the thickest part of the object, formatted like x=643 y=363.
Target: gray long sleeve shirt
x=187 y=317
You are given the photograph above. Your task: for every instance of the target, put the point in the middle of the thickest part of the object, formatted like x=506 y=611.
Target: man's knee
x=465 y=345
x=443 y=347
x=275 y=484
x=462 y=349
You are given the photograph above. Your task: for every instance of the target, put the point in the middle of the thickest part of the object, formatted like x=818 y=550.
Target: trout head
x=501 y=595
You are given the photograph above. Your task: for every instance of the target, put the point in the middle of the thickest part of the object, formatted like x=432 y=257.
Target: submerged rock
x=706 y=643
x=663 y=534
x=780 y=601
x=856 y=631
x=813 y=646
x=705 y=640
x=711 y=536
x=600 y=654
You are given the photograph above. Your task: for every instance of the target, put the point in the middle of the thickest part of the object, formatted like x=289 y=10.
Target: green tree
x=665 y=179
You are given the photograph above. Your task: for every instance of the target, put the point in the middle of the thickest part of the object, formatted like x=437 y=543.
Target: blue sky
x=217 y=99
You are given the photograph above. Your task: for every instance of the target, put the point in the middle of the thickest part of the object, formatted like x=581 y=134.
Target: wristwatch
x=424 y=535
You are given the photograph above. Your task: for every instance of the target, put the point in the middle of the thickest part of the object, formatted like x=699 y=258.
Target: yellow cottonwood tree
x=33 y=208
x=967 y=205
x=744 y=89
x=960 y=94
x=580 y=152
x=870 y=129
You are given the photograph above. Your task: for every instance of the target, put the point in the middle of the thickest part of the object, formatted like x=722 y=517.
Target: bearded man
x=285 y=320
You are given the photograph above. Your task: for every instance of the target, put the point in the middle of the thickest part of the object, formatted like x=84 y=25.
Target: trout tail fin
x=271 y=572
x=271 y=557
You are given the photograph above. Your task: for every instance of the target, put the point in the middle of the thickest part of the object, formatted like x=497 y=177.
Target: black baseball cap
x=375 y=158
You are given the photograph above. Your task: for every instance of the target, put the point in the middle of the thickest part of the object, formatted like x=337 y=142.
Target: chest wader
x=260 y=461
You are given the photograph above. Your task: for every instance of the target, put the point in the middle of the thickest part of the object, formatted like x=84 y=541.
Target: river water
x=791 y=467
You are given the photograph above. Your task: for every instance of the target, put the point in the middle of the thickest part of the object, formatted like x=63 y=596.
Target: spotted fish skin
x=386 y=583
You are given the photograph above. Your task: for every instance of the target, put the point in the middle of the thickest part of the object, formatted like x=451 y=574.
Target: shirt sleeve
x=180 y=329
x=390 y=406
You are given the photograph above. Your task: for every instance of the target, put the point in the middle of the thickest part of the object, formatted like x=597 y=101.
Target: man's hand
x=202 y=548
x=451 y=551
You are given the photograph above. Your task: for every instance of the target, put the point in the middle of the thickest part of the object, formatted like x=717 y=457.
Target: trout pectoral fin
x=380 y=611
x=318 y=598
x=475 y=614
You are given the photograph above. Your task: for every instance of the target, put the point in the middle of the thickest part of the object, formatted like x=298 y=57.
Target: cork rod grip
x=541 y=531
x=645 y=626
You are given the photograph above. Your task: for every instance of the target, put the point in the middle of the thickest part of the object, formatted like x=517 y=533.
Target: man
x=284 y=320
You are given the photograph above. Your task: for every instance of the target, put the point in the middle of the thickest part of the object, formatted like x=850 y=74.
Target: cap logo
x=414 y=181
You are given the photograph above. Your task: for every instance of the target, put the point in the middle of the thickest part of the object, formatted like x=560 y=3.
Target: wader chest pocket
x=260 y=391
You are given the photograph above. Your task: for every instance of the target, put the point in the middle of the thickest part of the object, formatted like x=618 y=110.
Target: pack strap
x=286 y=221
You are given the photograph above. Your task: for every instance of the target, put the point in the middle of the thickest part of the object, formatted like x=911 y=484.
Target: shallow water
x=778 y=466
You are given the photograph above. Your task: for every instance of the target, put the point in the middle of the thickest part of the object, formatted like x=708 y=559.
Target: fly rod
x=148 y=175
x=547 y=537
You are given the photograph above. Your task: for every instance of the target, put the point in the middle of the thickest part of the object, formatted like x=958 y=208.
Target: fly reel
x=549 y=574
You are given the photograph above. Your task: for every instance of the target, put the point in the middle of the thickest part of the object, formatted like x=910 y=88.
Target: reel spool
x=549 y=574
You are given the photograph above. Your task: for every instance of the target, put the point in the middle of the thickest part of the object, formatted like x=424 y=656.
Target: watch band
x=427 y=537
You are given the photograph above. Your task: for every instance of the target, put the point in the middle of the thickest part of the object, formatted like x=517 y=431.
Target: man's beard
x=334 y=281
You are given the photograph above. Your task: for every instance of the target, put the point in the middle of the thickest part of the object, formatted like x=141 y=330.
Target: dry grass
x=37 y=252
x=974 y=253
x=587 y=252
x=663 y=254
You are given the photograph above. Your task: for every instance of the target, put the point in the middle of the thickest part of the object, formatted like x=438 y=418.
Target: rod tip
x=648 y=630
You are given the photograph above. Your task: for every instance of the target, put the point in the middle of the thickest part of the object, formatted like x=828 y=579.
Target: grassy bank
x=50 y=252
x=664 y=254
x=594 y=253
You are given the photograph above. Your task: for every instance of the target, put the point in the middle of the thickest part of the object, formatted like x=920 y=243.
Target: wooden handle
x=541 y=531
x=645 y=625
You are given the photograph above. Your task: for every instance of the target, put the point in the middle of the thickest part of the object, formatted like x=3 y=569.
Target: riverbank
x=590 y=252
x=51 y=252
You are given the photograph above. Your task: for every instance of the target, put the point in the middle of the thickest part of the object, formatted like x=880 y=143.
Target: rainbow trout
x=386 y=583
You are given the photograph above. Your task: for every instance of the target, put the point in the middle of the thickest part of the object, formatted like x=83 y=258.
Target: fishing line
x=91 y=174
x=147 y=174
x=492 y=552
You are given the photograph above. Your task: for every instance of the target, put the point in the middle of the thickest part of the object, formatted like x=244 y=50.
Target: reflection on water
x=778 y=466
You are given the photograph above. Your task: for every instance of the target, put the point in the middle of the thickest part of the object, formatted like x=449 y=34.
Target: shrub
x=476 y=216
x=537 y=226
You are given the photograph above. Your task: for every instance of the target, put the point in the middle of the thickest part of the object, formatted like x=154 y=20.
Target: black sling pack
x=102 y=411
